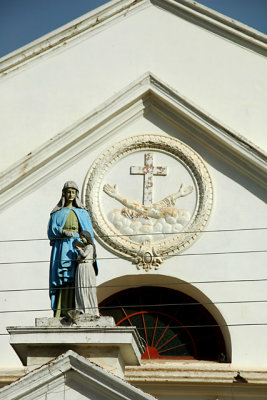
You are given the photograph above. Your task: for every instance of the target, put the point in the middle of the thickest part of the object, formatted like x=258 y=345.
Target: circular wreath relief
x=147 y=232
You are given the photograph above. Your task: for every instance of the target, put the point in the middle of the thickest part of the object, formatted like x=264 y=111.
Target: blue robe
x=64 y=254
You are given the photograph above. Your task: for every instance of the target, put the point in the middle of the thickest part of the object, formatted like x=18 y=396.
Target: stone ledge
x=110 y=347
x=190 y=372
x=9 y=375
x=81 y=320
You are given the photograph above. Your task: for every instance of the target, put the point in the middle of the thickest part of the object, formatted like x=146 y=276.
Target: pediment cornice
x=53 y=376
x=146 y=93
x=101 y=18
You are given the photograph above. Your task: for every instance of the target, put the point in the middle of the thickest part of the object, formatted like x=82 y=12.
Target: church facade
x=156 y=109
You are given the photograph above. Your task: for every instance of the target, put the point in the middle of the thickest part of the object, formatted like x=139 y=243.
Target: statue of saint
x=67 y=219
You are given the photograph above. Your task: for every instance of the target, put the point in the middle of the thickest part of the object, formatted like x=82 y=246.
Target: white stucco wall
x=46 y=95
x=237 y=204
x=52 y=92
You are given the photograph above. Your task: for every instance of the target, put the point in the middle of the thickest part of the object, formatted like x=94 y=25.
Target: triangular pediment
x=148 y=93
x=74 y=375
x=104 y=16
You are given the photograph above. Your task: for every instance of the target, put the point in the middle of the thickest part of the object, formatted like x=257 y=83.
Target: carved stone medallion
x=149 y=197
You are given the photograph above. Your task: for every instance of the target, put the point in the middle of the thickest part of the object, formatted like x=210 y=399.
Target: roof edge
x=99 y=17
x=217 y=16
x=59 y=366
x=64 y=34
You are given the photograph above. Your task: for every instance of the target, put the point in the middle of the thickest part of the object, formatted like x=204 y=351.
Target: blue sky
x=22 y=21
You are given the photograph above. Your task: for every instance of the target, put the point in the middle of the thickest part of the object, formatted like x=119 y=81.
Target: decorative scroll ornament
x=147 y=257
x=142 y=230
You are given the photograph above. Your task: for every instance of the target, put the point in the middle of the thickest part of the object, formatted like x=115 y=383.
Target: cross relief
x=149 y=230
x=148 y=170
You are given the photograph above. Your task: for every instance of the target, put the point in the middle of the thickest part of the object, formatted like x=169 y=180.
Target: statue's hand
x=185 y=190
x=67 y=233
x=112 y=191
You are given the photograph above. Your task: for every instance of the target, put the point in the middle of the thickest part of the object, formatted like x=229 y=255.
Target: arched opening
x=171 y=324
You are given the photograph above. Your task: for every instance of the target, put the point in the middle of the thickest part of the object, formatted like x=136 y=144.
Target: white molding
x=216 y=22
x=89 y=23
x=146 y=92
x=177 y=378
x=194 y=372
x=100 y=18
x=94 y=378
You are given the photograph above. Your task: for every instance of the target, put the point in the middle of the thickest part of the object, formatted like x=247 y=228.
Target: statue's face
x=84 y=240
x=70 y=194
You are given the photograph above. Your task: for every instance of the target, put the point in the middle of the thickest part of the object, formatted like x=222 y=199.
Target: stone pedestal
x=97 y=339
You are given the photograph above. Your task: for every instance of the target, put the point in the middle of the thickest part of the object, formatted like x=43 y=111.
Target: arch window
x=170 y=323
